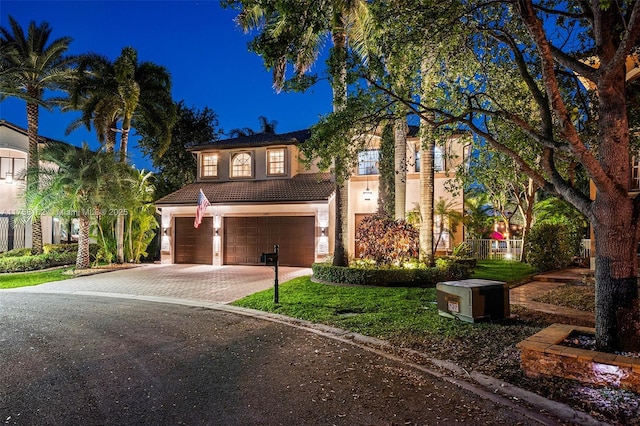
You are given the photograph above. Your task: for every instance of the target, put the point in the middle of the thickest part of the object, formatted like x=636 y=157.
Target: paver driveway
x=220 y=284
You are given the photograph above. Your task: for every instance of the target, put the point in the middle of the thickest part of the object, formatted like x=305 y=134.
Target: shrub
x=387 y=241
x=551 y=246
x=36 y=262
x=19 y=252
x=391 y=277
x=60 y=248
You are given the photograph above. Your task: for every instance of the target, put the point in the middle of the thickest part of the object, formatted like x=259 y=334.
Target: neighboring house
x=261 y=195
x=14 y=153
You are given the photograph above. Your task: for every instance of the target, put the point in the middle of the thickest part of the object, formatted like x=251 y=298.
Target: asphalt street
x=71 y=359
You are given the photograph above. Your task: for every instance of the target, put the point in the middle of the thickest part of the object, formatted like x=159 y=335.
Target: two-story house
x=261 y=195
x=14 y=155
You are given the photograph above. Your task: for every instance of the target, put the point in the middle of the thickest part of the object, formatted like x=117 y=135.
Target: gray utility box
x=473 y=300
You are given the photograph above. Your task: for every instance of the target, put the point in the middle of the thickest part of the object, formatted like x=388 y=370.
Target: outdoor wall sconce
x=367 y=193
x=166 y=231
x=217 y=232
x=322 y=232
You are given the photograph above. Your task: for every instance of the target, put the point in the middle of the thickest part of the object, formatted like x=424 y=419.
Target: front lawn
x=24 y=279
x=511 y=272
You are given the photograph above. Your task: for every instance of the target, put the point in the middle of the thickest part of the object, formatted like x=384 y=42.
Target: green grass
x=503 y=270
x=23 y=279
x=382 y=312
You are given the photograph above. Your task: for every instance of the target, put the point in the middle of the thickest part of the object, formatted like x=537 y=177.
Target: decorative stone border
x=542 y=355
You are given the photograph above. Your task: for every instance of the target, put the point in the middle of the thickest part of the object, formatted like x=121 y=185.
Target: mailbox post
x=271 y=259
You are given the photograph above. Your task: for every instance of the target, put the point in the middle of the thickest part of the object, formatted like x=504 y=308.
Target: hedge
x=393 y=277
x=20 y=260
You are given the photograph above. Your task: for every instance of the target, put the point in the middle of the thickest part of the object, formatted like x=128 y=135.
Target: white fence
x=496 y=249
x=585 y=248
x=510 y=249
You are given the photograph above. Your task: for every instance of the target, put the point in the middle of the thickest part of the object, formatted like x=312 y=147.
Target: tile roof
x=300 y=188
x=258 y=139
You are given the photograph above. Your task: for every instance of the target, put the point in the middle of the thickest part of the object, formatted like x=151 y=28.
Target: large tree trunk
x=341 y=243
x=33 y=113
x=400 y=164
x=83 y=259
x=615 y=224
x=616 y=275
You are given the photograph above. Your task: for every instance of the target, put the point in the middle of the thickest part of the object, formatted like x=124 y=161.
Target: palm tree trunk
x=400 y=164
x=427 y=145
x=340 y=255
x=33 y=113
x=124 y=140
x=83 y=259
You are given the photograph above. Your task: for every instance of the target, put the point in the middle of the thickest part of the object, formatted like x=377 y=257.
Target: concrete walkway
x=218 y=284
x=525 y=294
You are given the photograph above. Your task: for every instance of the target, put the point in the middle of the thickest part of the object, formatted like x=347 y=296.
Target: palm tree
x=30 y=66
x=294 y=34
x=266 y=126
x=79 y=181
x=124 y=94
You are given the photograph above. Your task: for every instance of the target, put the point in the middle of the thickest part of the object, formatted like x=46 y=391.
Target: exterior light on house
x=367 y=193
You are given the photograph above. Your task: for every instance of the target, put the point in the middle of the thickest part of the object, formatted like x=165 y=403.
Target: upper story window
x=368 y=162
x=241 y=165
x=438 y=160
x=276 y=161
x=12 y=168
x=209 y=165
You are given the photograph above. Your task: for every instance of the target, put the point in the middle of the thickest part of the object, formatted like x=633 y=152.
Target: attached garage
x=193 y=245
x=245 y=238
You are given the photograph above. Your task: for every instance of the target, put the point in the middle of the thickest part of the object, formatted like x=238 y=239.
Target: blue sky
x=197 y=41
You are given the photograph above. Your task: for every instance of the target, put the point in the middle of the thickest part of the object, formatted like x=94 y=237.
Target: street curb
x=527 y=404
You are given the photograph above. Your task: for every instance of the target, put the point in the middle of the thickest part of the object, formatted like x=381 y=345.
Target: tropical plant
x=448 y=216
x=293 y=34
x=140 y=216
x=387 y=241
x=477 y=220
x=77 y=183
x=126 y=94
x=30 y=65
x=266 y=126
x=177 y=166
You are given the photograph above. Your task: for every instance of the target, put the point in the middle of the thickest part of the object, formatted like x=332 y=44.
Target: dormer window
x=241 y=166
x=209 y=165
x=276 y=161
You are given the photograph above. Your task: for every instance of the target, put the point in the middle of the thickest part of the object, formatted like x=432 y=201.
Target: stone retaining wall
x=542 y=355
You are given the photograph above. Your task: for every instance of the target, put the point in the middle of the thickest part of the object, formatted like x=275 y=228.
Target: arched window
x=241 y=165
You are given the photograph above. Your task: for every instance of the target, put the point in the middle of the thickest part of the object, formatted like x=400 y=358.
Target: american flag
x=203 y=203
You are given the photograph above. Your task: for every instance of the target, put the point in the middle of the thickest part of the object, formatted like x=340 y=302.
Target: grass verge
x=24 y=279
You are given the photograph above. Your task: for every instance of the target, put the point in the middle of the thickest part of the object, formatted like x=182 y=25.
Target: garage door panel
x=294 y=235
x=193 y=245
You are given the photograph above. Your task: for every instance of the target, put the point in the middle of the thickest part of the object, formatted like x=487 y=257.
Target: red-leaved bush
x=387 y=241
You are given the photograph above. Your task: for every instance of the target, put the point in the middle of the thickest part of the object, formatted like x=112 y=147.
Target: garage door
x=245 y=238
x=193 y=245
